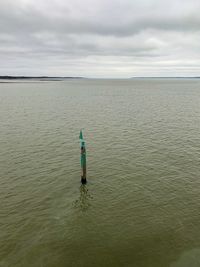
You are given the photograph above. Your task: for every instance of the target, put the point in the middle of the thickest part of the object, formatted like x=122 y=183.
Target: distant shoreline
x=166 y=77
x=54 y=78
x=7 y=77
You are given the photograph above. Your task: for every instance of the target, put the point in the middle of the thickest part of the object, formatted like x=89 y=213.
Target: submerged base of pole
x=83 y=180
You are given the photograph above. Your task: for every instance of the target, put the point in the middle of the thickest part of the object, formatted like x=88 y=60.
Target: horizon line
x=80 y=77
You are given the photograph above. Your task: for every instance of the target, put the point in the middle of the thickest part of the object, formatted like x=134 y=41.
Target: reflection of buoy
x=83 y=159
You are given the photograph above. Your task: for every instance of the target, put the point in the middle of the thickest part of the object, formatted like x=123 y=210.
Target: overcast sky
x=100 y=38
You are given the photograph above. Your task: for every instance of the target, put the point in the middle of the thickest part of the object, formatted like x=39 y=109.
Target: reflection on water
x=83 y=202
x=189 y=258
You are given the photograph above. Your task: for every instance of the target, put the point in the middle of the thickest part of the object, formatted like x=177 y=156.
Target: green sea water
x=141 y=205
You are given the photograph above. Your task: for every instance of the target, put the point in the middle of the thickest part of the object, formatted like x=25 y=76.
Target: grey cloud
x=118 y=18
x=128 y=36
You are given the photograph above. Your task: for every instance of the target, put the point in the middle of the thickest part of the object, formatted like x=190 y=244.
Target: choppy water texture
x=141 y=206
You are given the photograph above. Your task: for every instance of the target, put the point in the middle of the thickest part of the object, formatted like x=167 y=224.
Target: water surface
x=141 y=206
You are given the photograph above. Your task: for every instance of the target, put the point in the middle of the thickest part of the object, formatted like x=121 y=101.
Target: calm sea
x=141 y=205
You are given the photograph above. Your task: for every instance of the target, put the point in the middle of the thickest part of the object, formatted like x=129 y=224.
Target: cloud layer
x=93 y=38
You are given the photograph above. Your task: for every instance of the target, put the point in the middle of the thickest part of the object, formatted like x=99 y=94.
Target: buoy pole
x=83 y=159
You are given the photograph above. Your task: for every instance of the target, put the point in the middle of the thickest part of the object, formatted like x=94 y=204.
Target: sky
x=100 y=38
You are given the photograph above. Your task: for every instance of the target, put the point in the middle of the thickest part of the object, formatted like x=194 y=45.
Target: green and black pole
x=83 y=159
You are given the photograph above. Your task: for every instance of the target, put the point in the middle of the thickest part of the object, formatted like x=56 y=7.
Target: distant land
x=7 y=77
x=172 y=77
x=57 y=78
